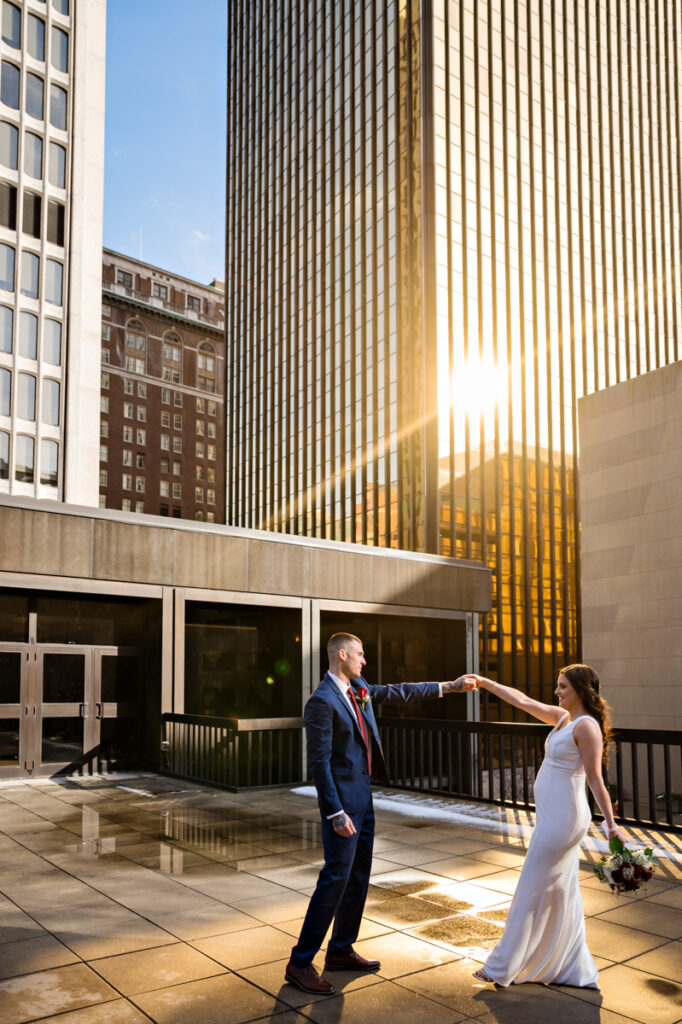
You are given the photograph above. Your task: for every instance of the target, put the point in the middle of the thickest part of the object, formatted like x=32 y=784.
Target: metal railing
x=234 y=752
x=497 y=762
x=492 y=762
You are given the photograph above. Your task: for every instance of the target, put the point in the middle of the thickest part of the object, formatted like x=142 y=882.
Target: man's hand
x=343 y=825
x=460 y=685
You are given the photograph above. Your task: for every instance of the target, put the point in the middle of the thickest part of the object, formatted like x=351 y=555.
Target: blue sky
x=164 y=171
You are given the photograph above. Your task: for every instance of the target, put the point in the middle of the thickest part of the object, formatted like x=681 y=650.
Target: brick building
x=162 y=417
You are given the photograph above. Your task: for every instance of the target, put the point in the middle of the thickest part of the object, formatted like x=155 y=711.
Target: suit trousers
x=341 y=890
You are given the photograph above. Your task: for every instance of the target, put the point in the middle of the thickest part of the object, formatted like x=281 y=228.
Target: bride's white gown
x=544 y=938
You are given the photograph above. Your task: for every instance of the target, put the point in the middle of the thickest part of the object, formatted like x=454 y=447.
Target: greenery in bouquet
x=625 y=869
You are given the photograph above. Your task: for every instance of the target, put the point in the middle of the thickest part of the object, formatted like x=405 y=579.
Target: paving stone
x=223 y=1000
x=28 y=956
x=626 y=991
x=147 y=969
x=31 y=996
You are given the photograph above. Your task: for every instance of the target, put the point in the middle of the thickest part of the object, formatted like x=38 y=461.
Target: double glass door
x=67 y=707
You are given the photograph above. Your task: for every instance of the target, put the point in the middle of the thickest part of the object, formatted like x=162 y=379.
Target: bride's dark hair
x=585 y=682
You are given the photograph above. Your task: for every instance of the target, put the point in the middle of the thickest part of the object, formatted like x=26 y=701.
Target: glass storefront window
x=412 y=651
x=13 y=616
x=241 y=661
x=90 y=619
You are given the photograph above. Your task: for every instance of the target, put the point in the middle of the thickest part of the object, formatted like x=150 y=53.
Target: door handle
x=98 y=709
x=83 y=710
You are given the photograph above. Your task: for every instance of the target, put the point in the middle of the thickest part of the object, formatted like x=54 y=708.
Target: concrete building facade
x=631 y=514
x=162 y=405
x=51 y=186
x=109 y=619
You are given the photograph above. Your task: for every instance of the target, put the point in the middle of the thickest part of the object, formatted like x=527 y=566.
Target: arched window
x=172 y=357
x=206 y=361
x=136 y=347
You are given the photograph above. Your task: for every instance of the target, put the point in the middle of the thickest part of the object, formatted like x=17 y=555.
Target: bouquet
x=625 y=870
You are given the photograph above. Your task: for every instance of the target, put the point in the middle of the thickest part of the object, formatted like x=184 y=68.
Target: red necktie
x=362 y=727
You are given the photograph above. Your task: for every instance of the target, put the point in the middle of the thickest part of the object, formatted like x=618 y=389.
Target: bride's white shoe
x=480 y=975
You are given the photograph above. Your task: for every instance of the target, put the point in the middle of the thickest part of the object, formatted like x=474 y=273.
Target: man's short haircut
x=339 y=640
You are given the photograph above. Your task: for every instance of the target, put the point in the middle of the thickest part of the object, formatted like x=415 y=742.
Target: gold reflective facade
x=447 y=222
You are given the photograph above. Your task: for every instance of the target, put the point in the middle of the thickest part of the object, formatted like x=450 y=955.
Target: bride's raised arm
x=548 y=713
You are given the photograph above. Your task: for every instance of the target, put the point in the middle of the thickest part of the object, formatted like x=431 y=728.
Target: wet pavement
x=146 y=898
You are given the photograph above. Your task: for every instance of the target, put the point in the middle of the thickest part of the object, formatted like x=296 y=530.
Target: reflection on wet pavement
x=144 y=898
x=463 y=931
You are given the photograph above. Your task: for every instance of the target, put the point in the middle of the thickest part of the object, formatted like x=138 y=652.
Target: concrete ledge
x=51 y=539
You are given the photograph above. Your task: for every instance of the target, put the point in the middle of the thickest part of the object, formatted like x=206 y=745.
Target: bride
x=544 y=937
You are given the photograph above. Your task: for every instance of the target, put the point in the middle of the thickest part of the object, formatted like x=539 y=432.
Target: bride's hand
x=614 y=833
x=474 y=682
x=466 y=682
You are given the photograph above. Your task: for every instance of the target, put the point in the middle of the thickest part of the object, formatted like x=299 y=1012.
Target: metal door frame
x=31 y=709
x=19 y=711
x=66 y=709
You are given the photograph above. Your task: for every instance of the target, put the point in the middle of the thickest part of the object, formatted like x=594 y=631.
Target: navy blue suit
x=338 y=763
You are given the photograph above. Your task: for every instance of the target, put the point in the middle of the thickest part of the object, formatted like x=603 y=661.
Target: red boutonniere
x=363 y=697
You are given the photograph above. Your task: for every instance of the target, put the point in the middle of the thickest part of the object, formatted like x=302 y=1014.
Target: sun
x=474 y=391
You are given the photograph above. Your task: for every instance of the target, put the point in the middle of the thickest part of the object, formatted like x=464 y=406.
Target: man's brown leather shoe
x=308 y=980
x=350 y=962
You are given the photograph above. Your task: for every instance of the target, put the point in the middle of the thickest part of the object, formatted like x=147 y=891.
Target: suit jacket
x=337 y=755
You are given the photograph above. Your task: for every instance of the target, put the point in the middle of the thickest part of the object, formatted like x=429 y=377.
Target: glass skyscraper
x=446 y=222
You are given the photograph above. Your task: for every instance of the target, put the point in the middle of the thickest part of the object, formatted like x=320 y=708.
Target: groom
x=344 y=751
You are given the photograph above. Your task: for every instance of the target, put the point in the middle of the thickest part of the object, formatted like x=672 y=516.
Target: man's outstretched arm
x=404 y=693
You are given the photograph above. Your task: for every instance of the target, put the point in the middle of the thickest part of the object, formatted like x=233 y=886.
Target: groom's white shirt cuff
x=344 y=687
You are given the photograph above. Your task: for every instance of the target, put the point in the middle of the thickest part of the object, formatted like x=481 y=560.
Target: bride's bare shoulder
x=586 y=726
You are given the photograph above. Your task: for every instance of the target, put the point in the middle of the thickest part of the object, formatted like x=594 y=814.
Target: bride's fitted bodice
x=561 y=751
